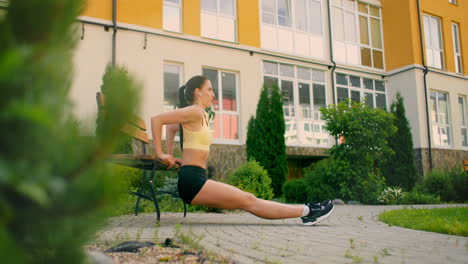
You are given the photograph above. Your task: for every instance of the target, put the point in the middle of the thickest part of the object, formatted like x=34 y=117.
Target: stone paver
x=351 y=234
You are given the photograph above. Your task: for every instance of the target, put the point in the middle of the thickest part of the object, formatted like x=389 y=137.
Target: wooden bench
x=144 y=161
x=465 y=164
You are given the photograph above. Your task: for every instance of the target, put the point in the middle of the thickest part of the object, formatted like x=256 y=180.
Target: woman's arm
x=183 y=115
x=171 y=131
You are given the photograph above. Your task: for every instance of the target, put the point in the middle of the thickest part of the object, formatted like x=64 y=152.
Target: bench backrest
x=465 y=164
x=136 y=128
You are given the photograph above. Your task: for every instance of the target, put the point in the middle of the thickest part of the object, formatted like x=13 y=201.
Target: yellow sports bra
x=200 y=139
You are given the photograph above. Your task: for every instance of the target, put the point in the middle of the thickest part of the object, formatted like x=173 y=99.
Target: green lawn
x=453 y=221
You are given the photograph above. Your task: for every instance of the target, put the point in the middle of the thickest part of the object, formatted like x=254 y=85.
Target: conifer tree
x=269 y=147
x=400 y=170
x=54 y=184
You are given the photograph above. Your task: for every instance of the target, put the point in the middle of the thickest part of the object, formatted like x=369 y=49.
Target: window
x=172 y=82
x=456 y=48
x=218 y=19
x=357 y=33
x=360 y=89
x=293 y=26
x=304 y=93
x=172 y=15
x=463 y=116
x=453 y=2
x=440 y=118
x=226 y=122
x=433 y=36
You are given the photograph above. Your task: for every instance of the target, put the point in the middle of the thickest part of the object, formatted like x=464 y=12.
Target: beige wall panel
x=91 y=56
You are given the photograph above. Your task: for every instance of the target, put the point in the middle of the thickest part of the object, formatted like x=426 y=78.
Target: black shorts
x=191 y=180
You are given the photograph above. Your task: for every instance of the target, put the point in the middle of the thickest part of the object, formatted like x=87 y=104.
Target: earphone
x=200 y=94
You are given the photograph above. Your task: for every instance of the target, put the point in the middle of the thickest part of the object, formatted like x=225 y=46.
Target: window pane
x=435 y=33
x=381 y=101
x=366 y=57
x=212 y=75
x=362 y=7
x=216 y=126
x=286 y=70
x=226 y=29
x=230 y=127
x=288 y=98
x=341 y=79
x=268 y=6
x=376 y=34
x=456 y=41
x=342 y=94
x=172 y=1
x=226 y=7
x=443 y=108
x=349 y=4
x=229 y=91
x=171 y=85
x=319 y=100
x=290 y=134
x=433 y=107
x=209 y=5
x=368 y=84
x=369 y=100
x=350 y=32
x=301 y=15
x=315 y=18
x=318 y=76
x=363 y=30
x=284 y=17
x=171 y=18
x=356 y=96
x=378 y=59
x=270 y=68
x=338 y=27
x=303 y=73
x=374 y=11
x=305 y=109
x=270 y=81
x=380 y=86
x=355 y=81
x=461 y=103
x=464 y=136
x=268 y=18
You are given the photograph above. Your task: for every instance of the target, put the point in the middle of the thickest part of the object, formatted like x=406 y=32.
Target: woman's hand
x=171 y=160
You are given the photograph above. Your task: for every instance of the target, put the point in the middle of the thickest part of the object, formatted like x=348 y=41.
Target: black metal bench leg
x=153 y=195
x=185 y=209
x=140 y=190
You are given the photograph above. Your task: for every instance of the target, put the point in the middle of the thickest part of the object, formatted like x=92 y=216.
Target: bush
x=391 y=195
x=295 y=191
x=418 y=196
x=437 y=182
x=252 y=178
x=335 y=178
x=459 y=180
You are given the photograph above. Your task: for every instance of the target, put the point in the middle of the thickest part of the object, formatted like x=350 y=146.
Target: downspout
x=331 y=58
x=114 y=25
x=425 y=71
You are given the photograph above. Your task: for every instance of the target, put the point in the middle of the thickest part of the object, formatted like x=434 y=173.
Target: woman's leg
x=224 y=196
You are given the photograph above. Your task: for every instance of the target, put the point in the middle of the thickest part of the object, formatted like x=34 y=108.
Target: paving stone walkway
x=352 y=234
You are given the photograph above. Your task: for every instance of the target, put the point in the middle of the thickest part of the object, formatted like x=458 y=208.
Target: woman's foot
x=318 y=212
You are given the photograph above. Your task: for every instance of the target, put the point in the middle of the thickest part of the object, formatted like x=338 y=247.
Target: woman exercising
x=193 y=186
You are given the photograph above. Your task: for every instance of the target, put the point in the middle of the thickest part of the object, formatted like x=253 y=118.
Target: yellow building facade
x=318 y=51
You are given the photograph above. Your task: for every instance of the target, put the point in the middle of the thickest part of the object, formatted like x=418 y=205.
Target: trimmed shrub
x=295 y=191
x=252 y=178
x=419 y=196
x=459 y=181
x=437 y=182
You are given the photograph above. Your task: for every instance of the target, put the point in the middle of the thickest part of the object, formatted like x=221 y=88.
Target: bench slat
x=135 y=132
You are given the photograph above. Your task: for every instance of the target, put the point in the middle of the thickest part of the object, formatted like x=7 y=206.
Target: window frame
x=463 y=118
x=357 y=31
x=220 y=112
x=297 y=120
x=218 y=14
x=437 y=124
x=293 y=29
x=429 y=46
x=179 y=6
x=458 y=59
x=362 y=90
x=454 y=2
x=180 y=65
